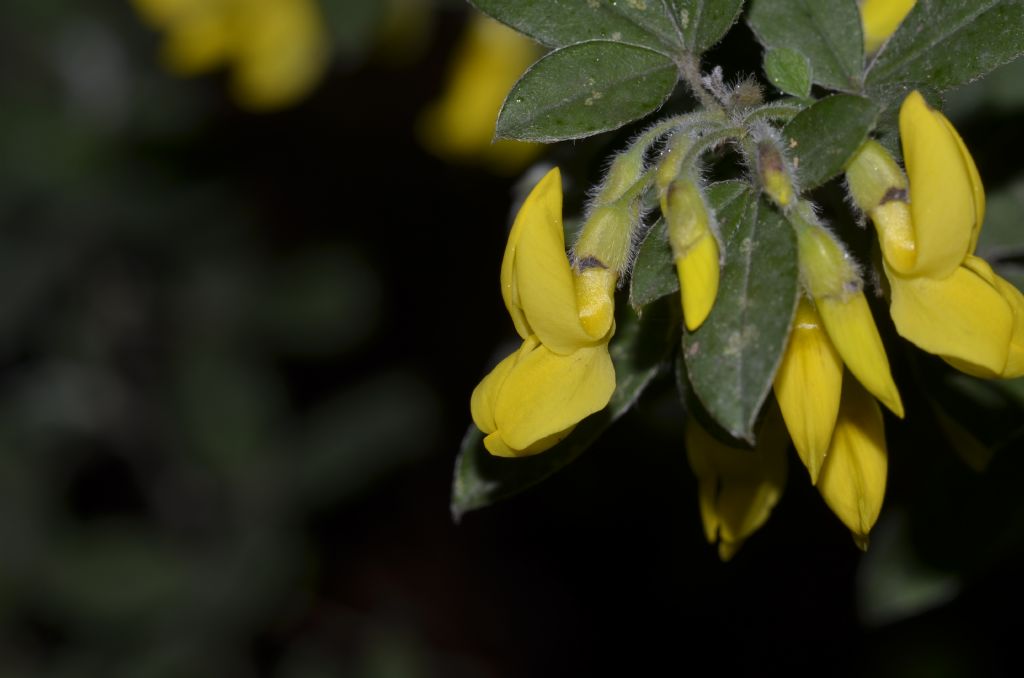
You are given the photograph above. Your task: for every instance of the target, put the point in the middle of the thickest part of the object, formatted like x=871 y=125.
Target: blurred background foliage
x=236 y=351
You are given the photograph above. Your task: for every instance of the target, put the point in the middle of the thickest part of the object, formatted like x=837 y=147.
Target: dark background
x=236 y=353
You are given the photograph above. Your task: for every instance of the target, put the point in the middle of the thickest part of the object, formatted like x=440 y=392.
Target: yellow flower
x=880 y=19
x=836 y=426
x=460 y=125
x=736 y=489
x=944 y=299
x=277 y=49
x=694 y=247
x=562 y=372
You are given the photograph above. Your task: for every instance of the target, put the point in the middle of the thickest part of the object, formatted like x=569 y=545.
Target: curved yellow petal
x=880 y=19
x=485 y=396
x=962 y=318
x=942 y=204
x=497 y=446
x=807 y=386
x=699 y=273
x=852 y=330
x=737 y=489
x=595 y=298
x=977 y=190
x=1015 y=352
x=547 y=393
x=852 y=481
x=542 y=206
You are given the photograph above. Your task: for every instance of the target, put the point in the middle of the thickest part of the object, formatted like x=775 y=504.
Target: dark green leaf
x=788 y=70
x=705 y=22
x=584 y=89
x=566 y=22
x=731 y=359
x=638 y=351
x=827 y=32
x=1002 y=236
x=945 y=43
x=823 y=138
x=353 y=24
x=654 y=273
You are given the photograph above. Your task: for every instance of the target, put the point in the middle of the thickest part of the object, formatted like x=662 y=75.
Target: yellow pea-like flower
x=736 y=488
x=562 y=372
x=880 y=19
x=944 y=299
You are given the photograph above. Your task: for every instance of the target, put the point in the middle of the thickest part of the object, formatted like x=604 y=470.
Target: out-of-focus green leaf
x=654 y=272
x=584 y=89
x=705 y=22
x=353 y=24
x=824 y=137
x=827 y=32
x=567 y=22
x=638 y=352
x=788 y=70
x=731 y=359
x=945 y=43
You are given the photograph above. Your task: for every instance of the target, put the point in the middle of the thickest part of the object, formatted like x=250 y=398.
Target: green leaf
x=1003 y=234
x=558 y=24
x=827 y=32
x=638 y=351
x=823 y=138
x=788 y=70
x=705 y=22
x=731 y=359
x=945 y=43
x=654 y=272
x=584 y=89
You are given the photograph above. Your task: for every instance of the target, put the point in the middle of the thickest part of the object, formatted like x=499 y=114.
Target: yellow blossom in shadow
x=276 y=50
x=562 y=372
x=485 y=64
x=737 y=488
x=695 y=248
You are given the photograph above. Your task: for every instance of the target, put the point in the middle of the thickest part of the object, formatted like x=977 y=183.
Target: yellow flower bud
x=695 y=249
x=775 y=177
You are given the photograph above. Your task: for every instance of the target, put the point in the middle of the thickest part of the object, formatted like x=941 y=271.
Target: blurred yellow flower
x=944 y=299
x=562 y=372
x=736 y=488
x=277 y=50
x=880 y=19
x=460 y=125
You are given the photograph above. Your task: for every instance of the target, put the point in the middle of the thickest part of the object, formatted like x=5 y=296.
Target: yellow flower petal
x=542 y=206
x=1015 y=353
x=807 y=387
x=699 y=272
x=595 y=298
x=546 y=393
x=199 y=42
x=737 y=489
x=962 y=318
x=497 y=446
x=852 y=330
x=977 y=190
x=852 y=481
x=485 y=395
x=880 y=19
x=942 y=204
